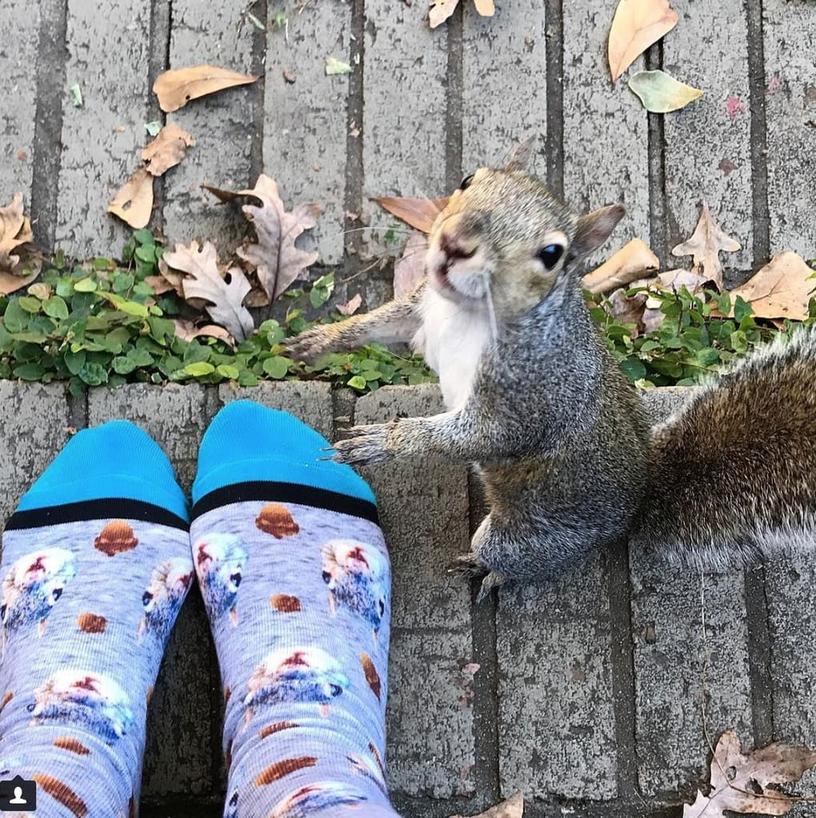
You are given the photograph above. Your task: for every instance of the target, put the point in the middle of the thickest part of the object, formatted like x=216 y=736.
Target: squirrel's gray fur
x=558 y=434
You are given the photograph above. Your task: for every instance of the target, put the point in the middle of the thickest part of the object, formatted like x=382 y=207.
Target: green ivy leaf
x=357 y=382
x=55 y=307
x=276 y=367
x=85 y=285
x=199 y=369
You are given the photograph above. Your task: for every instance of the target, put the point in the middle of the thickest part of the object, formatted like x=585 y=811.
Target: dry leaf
x=781 y=289
x=225 y=295
x=705 y=245
x=626 y=265
x=275 y=258
x=419 y=213
x=637 y=25
x=167 y=149
x=175 y=88
x=188 y=331
x=133 y=203
x=410 y=269
x=749 y=783
x=11 y=283
x=627 y=309
x=351 y=306
x=15 y=230
x=441 y=10
x=661 y=93
x=513 y=807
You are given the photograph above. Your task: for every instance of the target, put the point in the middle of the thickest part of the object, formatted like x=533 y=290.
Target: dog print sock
x=95 y=566
x=295 y=576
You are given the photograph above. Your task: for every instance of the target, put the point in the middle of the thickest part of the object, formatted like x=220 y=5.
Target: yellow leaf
x=781 y=289
x=419 y=213
x=167 y=149
x=133 y=203
x=636 y=25
x=661 y=93
x=626 y=265
x=175 y=88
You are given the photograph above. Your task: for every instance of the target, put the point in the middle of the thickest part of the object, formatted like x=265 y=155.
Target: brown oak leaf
x=15 y=231
x=705 y=244
x=781 y=289
x=749 y=783
x=275 y=258
x=224 y=294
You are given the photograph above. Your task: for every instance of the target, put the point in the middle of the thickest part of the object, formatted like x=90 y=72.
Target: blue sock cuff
x=248 y=442
x=116 y=460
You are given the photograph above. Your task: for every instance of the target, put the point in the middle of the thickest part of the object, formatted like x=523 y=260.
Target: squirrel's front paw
x=367 y=444
x=310 y=345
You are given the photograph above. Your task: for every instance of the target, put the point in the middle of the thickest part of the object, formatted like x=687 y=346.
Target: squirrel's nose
x=453 y=249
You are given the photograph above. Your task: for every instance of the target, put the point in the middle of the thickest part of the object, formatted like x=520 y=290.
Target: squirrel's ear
x=519 y=158
x=594 y=229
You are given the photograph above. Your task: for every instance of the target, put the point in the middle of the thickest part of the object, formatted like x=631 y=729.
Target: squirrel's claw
x=367 y=444
x=470 y=566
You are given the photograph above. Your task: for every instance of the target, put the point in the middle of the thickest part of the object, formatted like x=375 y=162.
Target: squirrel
x=558 y=434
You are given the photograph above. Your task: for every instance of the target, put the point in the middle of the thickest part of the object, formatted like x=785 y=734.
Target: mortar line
x=258 y=91
x=759 y=655
x=77 y=410
x=454 y=95
x=355 y=112
x=158 y=60
x=658 y=199
x=759 y=133
x=52 y=59
x=487 y=772
x=623 y=668
x=554 y=26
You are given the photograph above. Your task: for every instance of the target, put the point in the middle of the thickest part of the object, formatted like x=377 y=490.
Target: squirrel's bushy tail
x=733 y=472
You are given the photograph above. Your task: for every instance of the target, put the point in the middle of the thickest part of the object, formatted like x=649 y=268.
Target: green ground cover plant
x=100 y=322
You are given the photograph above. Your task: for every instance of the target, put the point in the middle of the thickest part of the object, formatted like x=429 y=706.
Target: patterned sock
x=296 y=580
x=95 y=566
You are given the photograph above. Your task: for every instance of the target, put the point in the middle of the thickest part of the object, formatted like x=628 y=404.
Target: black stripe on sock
x=286 y=493
x=108 y=508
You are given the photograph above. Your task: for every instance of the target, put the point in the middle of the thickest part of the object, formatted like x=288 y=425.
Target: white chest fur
x=452 y=339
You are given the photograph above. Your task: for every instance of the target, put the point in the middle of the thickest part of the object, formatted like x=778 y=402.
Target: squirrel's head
x=504 y=236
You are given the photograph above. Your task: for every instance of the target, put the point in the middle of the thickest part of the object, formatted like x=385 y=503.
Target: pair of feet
x=294 y=572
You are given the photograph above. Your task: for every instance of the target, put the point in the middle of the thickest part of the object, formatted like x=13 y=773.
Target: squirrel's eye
x=465 y=183
x=550 y=255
